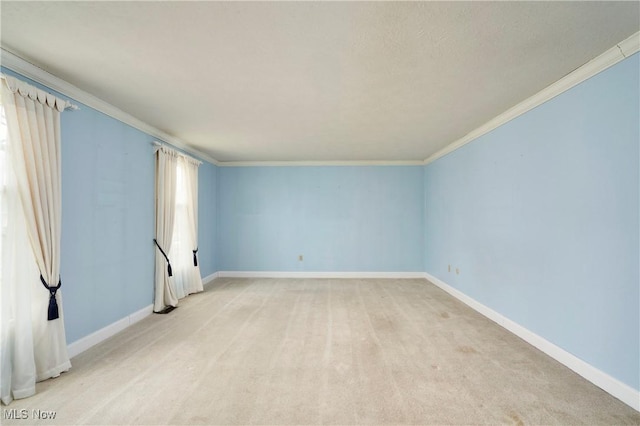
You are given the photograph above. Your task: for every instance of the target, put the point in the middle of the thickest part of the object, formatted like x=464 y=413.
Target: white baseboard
x=311 y=274
x=81 y=345
x=209 y=278
x=622 y=391
x=104 y=333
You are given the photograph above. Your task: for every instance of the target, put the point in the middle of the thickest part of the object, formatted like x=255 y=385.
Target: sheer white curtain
x=33 y=343
x=166 y=176
x=184 y=246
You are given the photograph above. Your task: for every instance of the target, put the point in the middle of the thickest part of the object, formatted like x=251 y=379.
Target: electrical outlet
x=300 y=258
x=457 y=271
x=449 y=268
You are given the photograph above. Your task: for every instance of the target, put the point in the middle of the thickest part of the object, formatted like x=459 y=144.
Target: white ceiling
x=314 y=81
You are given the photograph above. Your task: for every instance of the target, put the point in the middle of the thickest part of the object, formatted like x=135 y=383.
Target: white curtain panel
x=33 y=337
x=19 y=274
x=166 y=180
x=183 y=255
x=191 y=173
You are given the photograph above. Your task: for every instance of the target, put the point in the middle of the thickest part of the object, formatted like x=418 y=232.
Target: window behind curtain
x=4 y=213
x=182 y=244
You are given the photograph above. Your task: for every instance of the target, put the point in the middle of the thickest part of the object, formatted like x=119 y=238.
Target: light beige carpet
x=304 y=351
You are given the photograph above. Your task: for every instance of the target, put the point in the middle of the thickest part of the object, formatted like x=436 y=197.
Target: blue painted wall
x=207 y=218
x=541 y=217
x=107 y=220
x=338 y=218
x=107 y=264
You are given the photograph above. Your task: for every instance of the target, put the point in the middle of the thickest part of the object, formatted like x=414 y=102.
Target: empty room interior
x=320 y=213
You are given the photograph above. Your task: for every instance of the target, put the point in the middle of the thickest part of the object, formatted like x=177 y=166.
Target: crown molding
x=630 y=46
x=607 y=59
x=317 y=163
x=17 y=64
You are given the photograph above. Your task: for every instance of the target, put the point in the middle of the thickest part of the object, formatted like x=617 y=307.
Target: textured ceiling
x=314 y=81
